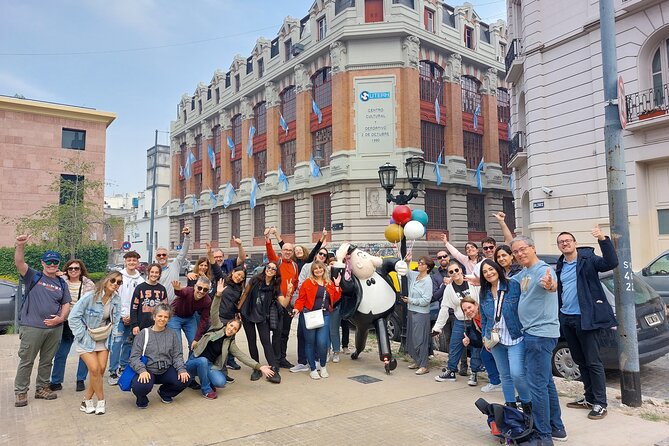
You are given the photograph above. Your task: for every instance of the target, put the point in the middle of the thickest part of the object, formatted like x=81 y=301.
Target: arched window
x=660 y=73
x=288 y=104
x=260 y=119
x=322 y=87
x=431 y=81
x=471 y=98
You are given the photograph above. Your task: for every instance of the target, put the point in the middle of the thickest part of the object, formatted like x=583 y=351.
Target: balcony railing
x=515 y=49
x=517 y=144
x=647 y=103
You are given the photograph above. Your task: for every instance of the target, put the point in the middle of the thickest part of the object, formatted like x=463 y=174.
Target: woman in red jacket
x=318 y=293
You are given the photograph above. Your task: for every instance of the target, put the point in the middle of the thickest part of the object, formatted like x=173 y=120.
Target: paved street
x=396 y=410
x=654 y=379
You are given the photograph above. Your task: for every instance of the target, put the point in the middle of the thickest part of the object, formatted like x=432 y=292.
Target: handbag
x=100 y=333
x=125 y=380
x=314 y=318
x=494 y=339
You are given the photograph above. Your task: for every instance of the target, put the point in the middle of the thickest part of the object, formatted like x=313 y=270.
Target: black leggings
x=270 y=347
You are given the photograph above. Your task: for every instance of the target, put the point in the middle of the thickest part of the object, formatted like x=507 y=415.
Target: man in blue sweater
x=538 y=314
x=584 y=310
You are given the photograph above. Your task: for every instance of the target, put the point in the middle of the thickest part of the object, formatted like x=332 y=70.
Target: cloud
x=11 y=85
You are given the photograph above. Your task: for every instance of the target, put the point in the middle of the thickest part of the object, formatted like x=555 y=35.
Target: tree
x=70 y=223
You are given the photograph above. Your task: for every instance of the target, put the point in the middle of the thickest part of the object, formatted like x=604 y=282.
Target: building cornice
x=56 y=110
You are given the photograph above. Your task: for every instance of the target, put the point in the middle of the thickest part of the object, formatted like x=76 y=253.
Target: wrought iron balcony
x=514 y=61
x=648 y=103
x=514 y=50
x=517 y=144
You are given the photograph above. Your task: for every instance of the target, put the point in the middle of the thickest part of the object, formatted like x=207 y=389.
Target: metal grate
x=364 y=379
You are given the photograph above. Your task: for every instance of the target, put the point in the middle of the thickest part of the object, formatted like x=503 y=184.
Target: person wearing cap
x=121 y=348
x=44 y=309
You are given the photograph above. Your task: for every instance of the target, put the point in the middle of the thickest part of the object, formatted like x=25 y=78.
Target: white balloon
x=414 y=230
x=401 y=268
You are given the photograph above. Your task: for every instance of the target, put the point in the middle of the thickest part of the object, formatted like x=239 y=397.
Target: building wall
x=558 y=102
x=31 y=154
x=369 y=56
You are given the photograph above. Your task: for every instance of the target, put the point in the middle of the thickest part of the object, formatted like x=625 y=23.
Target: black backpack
x=35 y=280
x=508 y=423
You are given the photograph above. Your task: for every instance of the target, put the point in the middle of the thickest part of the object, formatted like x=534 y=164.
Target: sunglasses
x=118 y=282
x=324 y=254
x=271 y=268
x=453 y=271
x=52 y=262
x=441 y=257
x=161 y=255
x=488 y=248
x=203 y=289
x=73 y=268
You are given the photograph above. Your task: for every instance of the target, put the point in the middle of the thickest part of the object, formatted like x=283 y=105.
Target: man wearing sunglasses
x=171 y=270
x=188 y=302
x=44 y=309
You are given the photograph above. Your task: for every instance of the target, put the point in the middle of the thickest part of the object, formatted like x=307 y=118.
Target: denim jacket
x=509 y=310
x=87 y=312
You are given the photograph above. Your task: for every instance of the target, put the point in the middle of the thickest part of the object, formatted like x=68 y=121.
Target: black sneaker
x=194 y=385
x=81 y=386
x=580 y=404
x=233 y=365
x=276 y=379
x=473 y=379
x=559 y=434
x=446 y=375
x=284 y=364
x=255 y=375
x=597 y=413
x=165 y=399
x=229 y=379
x=55 y=387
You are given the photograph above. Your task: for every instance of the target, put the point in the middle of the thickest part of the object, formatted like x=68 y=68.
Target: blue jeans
x=204 y=370
x=335 y=322
x=120 y=351
x=490 y=366
x=456 y=347
x=510 y=360
x=187 y=324
x=316 y=342
x=58 y=370
x=545 y=402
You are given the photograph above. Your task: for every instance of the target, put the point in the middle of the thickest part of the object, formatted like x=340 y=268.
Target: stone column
x=207 y=171
x=272 y=113
x=226 y=130
x=342 y=102
x=489 y=112
x=190 y=147
x=303 y=113
x=453 y=140
x=247 y=121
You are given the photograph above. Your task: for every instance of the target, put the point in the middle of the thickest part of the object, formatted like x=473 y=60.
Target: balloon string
x=410 y=250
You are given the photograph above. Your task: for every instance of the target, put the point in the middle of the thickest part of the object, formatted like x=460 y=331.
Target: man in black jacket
x=584 y=310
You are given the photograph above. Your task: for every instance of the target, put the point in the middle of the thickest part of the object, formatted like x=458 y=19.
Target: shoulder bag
x=125 y=380
x=489 y=343
x=314 y=319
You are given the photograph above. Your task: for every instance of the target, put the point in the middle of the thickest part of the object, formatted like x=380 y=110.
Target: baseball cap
x=134 y=254
x=50 y=255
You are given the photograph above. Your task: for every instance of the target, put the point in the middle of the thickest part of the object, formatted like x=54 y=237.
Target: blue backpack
x=508 y=423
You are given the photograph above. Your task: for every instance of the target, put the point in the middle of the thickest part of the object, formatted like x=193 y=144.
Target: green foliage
x=96 y=276
x=94 y=255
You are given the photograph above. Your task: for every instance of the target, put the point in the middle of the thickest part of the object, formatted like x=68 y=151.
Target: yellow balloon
x=394 y=233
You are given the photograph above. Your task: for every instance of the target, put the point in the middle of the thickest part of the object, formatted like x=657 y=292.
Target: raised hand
x=220 y=285
x=500 y=216
x=191 y=276
x=177 y=285
x=337 y=280
x=237 y=240
x=185 y=230
x=547 y=280
x=21 y=240
x=597 y=233
x=444 y=238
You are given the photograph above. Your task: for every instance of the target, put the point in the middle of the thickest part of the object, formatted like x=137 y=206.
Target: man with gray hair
x=171 y=271
x=538 y=314
x=188 y=302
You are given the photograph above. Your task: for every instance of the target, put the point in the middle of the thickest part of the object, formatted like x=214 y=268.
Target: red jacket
x=308 y=291
x=288 y=270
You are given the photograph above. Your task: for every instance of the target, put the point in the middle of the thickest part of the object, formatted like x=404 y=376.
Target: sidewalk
x=400 y=409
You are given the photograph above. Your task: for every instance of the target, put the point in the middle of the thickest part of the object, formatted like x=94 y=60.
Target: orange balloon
x=394 y=233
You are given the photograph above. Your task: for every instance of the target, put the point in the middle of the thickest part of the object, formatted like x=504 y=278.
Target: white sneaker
x=346 y=351
x=318 y=366
x=335 y=357
x=491 y=388
x=113 y=379
x=300 y=368
x=100 y=408
x=87 y=406
x=324 y=372
x=314 y=374
x=329 y=357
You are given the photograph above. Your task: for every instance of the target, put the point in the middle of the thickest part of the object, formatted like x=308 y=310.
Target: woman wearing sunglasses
x=453 y=294
x=94 y=321
x=418 y=322
x=472 y=257
x=76 y=277
x=259 y=306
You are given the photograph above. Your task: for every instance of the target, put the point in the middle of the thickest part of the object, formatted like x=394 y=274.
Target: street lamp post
x=415 y=169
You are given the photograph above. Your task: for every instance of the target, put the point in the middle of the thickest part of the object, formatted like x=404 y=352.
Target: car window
x=660 y=267
x=642 y=292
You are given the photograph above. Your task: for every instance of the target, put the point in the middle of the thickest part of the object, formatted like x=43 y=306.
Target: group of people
x=506 y=307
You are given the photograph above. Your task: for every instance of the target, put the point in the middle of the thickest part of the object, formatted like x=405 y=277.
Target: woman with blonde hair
x=94 y=323
x=317 y=293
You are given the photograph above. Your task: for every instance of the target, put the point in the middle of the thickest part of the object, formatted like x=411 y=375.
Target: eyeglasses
x=52 y=262
x=271 y=268
x=453 y=271
x=441 y=257
x=488 y=248
x=73 y=268
x=203 y=289
x=520 y=250
x=420 y=262
x=565 y=242
x=161 y=255
x=324 y=254
x=118 y=282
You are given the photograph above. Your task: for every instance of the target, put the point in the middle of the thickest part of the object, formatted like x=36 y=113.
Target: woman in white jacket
x=454 y=292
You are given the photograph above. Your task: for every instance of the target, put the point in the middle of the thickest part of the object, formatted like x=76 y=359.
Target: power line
x=147 y=48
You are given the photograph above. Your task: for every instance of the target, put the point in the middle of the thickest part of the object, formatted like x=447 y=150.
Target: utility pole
x=628 y=348
x=153 y=197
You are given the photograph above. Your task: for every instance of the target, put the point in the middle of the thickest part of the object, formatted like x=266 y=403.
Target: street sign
x=538 y=205
x=126 y=246
x=622 y=104
x=178 y=248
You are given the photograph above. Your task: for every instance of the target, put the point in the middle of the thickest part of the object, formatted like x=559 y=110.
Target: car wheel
x=393 y=328
x=563 y=364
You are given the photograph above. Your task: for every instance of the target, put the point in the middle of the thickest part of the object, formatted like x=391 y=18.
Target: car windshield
x=642 y=292
x=660 y=267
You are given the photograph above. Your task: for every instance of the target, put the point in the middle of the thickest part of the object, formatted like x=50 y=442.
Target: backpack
x=508 y=423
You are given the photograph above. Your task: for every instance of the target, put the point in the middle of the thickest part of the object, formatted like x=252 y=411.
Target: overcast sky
x=136 y=58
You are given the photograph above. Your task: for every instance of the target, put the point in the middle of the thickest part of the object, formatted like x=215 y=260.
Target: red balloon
x=402 y=214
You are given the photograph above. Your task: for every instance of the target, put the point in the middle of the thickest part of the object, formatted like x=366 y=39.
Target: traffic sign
x=178 y=248
x=622 y=104
x=126 y=245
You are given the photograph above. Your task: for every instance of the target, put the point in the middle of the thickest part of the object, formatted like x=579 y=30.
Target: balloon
x=391 y=222
x=420 y=216
x=394 y=233
x=414 y=230
x=402 y=214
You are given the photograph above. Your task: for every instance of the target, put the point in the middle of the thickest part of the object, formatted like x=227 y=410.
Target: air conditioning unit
x=297 y=49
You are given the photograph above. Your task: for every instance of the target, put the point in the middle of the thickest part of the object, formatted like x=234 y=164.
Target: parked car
x=656 y=274
x=8 y=291
x=186 y=267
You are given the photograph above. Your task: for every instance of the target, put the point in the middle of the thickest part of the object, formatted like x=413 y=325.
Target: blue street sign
x=178 y=248
x=126 y=245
